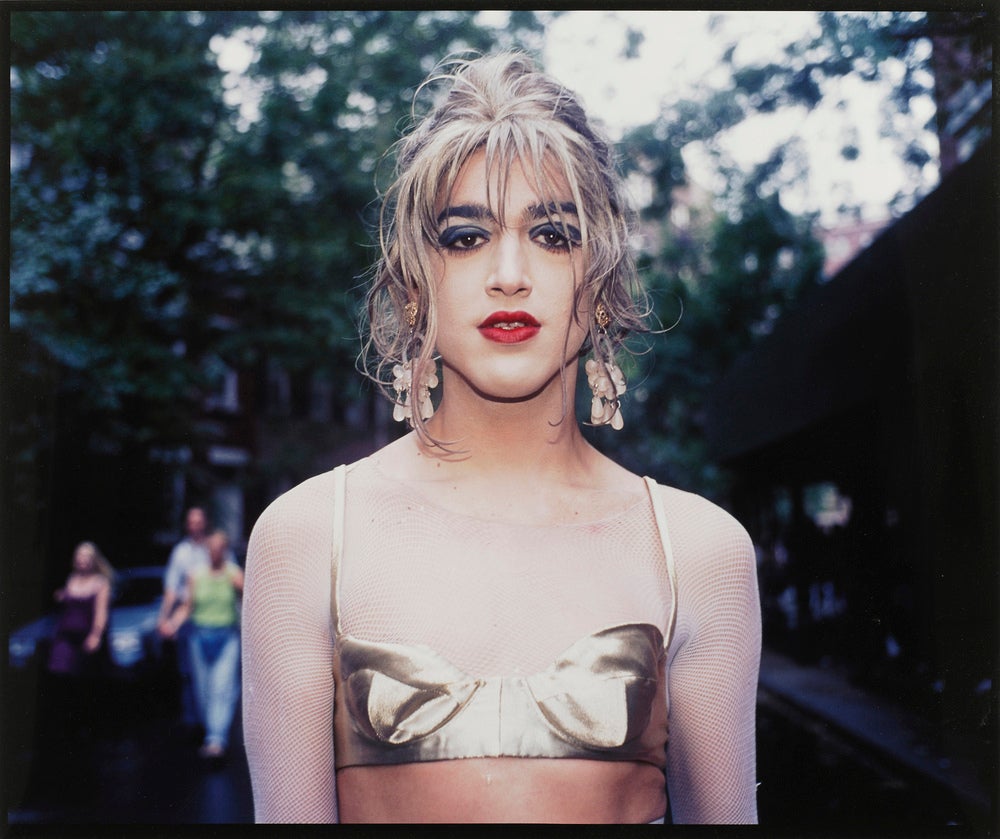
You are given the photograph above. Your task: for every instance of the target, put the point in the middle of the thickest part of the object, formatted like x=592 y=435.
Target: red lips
x=509 y=327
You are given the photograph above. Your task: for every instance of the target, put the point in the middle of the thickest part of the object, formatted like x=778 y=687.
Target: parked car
x=132 y=639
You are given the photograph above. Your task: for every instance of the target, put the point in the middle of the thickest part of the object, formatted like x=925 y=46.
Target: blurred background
x=192 y=198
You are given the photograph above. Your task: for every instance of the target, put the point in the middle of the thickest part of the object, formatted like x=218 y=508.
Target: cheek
x=435 y=263
x=449 y=279
x=578 y=333
x=583 y=309
x=580 y=301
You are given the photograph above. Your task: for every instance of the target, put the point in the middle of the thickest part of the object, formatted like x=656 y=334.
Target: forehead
x=506 y=185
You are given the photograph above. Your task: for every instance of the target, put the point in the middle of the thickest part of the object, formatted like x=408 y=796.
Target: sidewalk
x=873 y=721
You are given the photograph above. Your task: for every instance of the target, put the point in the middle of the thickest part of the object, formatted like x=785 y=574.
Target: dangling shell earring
x=605 y=379
x=402 y=379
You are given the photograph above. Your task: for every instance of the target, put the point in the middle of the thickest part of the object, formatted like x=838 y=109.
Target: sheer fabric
x=496 y=598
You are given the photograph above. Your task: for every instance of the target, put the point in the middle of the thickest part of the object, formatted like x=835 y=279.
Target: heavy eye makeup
x=555 y=236
x=549 y=231
x=462 y=237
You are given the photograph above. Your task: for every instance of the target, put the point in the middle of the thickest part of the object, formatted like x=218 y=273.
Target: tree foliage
x=724 y=267
x=884 y=47
x=160 y=210
x=174 y=221
x=296 y=187
x=112 y=118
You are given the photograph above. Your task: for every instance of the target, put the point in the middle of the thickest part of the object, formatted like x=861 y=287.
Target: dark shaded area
x=815 y=780
x=880 y=389
x=114 y=753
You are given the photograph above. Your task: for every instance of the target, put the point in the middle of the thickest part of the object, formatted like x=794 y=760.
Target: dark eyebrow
x=472 y=211
x=534 y=212
x=539 y=211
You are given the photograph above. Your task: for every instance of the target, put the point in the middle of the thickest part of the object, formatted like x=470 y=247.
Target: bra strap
x=338 y=545
x=656 y=499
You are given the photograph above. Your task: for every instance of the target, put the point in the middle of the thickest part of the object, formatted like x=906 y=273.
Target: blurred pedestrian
x=212 y=603
x=83 y=620
x=188 y=555
x=78 y=649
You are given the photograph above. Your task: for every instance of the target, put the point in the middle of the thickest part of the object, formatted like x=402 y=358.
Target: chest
x=81 y=588
x=494 y=598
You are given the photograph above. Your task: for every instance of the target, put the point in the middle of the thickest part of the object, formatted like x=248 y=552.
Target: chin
x=519 y=391
x=510 y=385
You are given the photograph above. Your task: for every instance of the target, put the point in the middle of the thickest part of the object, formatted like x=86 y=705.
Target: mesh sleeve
x=715 y=658
x=287 y=654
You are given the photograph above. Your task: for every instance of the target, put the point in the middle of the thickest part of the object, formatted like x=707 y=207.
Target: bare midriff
x=503 y=789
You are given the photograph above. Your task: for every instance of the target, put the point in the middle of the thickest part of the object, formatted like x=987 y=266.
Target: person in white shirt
x=188 y=555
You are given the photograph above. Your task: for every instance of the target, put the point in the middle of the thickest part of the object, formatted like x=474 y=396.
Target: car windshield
x=138 y=591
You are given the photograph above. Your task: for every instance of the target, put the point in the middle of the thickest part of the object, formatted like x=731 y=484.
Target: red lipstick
x=509 y=327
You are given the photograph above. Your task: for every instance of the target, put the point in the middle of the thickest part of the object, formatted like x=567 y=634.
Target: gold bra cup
x=407 y=703
x=400 y=693
x=599 y=693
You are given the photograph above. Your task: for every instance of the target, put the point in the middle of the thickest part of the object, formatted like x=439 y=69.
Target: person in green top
x=212 y=605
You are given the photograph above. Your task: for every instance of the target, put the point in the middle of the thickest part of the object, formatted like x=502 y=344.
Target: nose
x=509 y=270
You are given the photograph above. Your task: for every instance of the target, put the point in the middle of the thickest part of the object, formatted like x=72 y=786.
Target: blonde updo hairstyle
x=500 y=103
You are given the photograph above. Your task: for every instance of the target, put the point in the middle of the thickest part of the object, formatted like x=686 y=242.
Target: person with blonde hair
x=71 y=692
x=488 y=619
x=83 y=619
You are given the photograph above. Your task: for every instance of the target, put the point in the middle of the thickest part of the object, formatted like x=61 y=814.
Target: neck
x=532 y=436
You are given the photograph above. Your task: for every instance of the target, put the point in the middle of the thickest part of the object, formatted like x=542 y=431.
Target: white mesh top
x=495 y=599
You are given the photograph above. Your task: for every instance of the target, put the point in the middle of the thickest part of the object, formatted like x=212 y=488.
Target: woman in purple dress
x=80 y=630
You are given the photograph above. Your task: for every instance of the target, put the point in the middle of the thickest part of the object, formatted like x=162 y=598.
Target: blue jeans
x=215 y=666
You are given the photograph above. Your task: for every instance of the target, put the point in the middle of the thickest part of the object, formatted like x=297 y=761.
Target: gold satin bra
x=604 y=698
